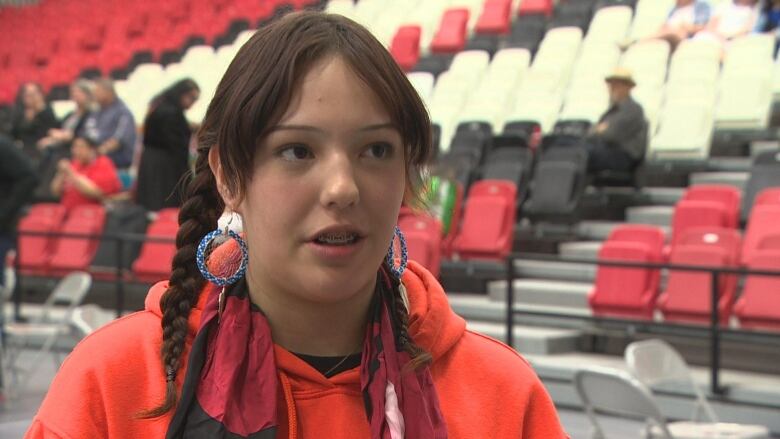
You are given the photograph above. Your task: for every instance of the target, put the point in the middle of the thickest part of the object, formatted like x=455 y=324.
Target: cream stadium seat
x=62 y=108
x=470 y=63
x=427 y=15
x=697 y=49
x=423 y=83
x=198 y=55
x=609 y=25
x=695 y=70
x=243 y=37
x=595 y=62
x=745 y=103
x=538 y=106
x=650 y=98
x=343 y=7
x=446 y=116
x=648 y=62
x=684 y=132
x=649 y=16
x=690 y=91
x=585 y=104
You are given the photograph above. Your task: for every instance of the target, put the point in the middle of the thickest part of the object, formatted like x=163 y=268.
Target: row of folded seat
x=43 y=253
x=484 y=229
x=633 y=292
x=56 y=55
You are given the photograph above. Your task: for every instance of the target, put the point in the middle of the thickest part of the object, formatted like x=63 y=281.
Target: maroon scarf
x=230 y=389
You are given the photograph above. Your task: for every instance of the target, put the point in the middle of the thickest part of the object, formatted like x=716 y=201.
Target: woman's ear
x=231 y=202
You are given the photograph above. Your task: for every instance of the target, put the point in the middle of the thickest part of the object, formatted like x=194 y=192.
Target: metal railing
x=714 y=330
x=119 y=271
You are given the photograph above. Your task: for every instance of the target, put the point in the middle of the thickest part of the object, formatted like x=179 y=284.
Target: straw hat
x=621 y=74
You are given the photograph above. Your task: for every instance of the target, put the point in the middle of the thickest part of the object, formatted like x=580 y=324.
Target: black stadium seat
x=558 y=184
x=527 y=32
x=764 y=173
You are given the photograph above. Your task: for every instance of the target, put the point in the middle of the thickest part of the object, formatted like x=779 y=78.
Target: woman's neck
x=309 y=327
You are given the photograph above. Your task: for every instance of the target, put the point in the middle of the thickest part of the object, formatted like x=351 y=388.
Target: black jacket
x=17 y=181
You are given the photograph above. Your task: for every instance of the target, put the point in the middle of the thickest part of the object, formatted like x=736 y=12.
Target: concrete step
x=730 y=164
x=543 y=292
x=751 y=399
x=666 y=196
x=652 y=215
x=579 y=249
x=477 y=307
x=596 y=230
x=565 y=271
x=736 y=179
x=531 y=340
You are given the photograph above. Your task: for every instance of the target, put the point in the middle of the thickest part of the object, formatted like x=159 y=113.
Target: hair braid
x=197 y=216
x=419 y=356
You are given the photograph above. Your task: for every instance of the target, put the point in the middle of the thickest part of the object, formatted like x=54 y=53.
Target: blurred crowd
x=96 y=152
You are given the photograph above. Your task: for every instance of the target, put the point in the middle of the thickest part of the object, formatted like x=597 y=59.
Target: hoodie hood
x=432 y=323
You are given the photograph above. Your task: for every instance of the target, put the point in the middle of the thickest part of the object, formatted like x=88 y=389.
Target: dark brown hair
x=251 y=98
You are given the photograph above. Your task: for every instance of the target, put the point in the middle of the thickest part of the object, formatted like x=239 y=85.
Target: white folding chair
x=655 y=362
x=615 y=392
x=45 y=329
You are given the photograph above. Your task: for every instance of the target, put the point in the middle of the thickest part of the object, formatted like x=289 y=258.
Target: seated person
x=730 y=20
x=769 y=20
x=32 y=119
x=112 y=125
x=685 y=19
x=87 y=178
x=619 y=140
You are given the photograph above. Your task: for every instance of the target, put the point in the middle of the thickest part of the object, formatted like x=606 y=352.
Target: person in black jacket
x=32 y=119
x=17 y=181
x=165 y=159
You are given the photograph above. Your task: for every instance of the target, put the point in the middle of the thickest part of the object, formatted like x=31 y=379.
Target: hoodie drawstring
x=292 y=415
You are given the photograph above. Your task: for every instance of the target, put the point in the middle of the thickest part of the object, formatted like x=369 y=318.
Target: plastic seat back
x=488 y=221
x=758 y=306
x=495 y=17
x=154 y=262
x=405 y=47
x=764 y=174
x=450 y=38
x=688 y=293
x=423 y=240
x=622 y=291
x=77 y=253
x=36 y=251
x=689 y=214
x=729 y=196
x=763 y=222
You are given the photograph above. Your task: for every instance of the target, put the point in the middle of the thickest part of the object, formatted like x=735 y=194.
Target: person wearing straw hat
x=619 y=140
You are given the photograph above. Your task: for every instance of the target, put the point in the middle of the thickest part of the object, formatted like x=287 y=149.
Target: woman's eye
x=296 y=152
x=380 y=150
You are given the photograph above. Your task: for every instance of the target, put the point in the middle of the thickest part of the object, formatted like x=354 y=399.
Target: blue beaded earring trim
x=397 y=271
x=201 y=258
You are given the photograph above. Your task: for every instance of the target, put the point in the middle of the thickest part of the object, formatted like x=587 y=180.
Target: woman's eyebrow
x=295 y=127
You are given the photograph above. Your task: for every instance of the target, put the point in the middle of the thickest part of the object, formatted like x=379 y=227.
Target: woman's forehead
x=331 y=92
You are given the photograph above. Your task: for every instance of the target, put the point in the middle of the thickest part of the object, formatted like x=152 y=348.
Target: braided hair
x=256 y=89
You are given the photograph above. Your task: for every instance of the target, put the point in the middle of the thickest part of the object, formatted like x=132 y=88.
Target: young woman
x=166 y=153
x=314 y=137
x=32 y=120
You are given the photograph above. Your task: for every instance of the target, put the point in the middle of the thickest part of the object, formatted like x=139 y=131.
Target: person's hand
x=64 y=167
x=44 y=143
x=600 y=128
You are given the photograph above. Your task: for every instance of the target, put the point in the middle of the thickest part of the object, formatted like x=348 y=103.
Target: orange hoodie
x=485 y=389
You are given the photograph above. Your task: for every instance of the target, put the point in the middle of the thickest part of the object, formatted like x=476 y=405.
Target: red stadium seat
x=725 y=238
x=762 y=226
x=423 y=240
x=758 y=306
x=72 y=254
x=154 y=262
x=35 y=251
x=689 y=214
x=625 y=292
x=495 y=17
x=450 y=38
x=688 y=293
x=488 y=221
x=729 y=196
x=532 y=7
x=406 y=46
x=768 y=196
